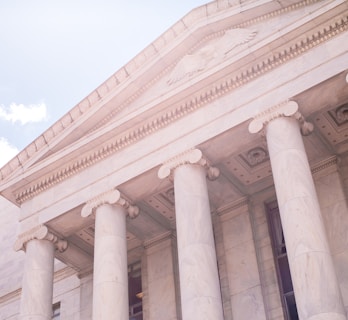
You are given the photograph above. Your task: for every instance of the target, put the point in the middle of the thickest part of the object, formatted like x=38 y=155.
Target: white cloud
x=24 y=113
x=7 y=151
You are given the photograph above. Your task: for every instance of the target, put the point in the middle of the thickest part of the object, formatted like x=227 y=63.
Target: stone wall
x=333 y=203
x=11 y=262
x=244 y=252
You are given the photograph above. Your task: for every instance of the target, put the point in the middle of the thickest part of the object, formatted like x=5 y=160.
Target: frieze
x=257 y=69
x=121 y=76
x=204 y=40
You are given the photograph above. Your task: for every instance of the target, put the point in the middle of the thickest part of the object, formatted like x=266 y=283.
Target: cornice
x=232 y=206
x=158 y=239
x=241 y=77
x=194 y=47
x=40 y=232
x=192 y=156
x=324 y=164
x=110 y=197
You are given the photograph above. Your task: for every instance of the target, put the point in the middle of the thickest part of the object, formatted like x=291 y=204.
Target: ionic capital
x=284 y=109
x=113 y=197
x=192 y=156
x=40 y=232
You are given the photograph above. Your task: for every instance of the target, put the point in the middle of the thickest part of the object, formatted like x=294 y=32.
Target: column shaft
x=37 y=288
x=110 y=282
x=315 y=284
x=199 y=280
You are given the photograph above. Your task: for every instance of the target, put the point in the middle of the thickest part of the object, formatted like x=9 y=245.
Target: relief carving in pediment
x=211 y=54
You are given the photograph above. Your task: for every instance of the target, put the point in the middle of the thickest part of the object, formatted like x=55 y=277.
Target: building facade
x=206 y=179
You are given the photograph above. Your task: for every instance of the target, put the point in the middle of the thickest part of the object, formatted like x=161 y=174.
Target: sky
x=53 y=53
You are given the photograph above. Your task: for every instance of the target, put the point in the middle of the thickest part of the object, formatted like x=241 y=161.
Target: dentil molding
x=243 y=76
x=40 y=232
x=109 y=197
x=192 y=156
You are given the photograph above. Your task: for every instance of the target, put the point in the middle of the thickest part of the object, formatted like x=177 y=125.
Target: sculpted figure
x=210 y=54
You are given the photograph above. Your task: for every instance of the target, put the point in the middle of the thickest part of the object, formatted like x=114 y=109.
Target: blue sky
x=53 y=53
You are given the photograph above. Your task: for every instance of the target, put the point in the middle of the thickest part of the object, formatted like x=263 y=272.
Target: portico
x=161 y=167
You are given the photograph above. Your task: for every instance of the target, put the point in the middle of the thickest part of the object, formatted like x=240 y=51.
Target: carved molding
x=40 y=232
x=109 y=197
x=226 y=85
x=322 y=165
x=233 y=206
x=158 y=239
x=256 y=156
x=284 y=109
x=207 y=56
x=204 y=40
x=192 y=156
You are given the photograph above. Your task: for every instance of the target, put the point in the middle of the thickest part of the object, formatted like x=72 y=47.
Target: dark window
x=281 y=262
x=135 y=292
x=56 y=311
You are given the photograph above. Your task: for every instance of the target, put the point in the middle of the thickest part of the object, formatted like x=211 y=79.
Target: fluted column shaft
x=37 y=287
x=199 y=280
x=110 y=277
x=315 y=284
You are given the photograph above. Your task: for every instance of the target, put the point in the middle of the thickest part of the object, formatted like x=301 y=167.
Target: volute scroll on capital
x=192 y=156
x=112 y=197
x=284 y=109
x=40 y=232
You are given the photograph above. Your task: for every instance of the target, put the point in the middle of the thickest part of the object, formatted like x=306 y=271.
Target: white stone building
x=195 y=180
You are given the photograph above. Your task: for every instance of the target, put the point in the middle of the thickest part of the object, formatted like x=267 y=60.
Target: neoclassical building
x=206 y=179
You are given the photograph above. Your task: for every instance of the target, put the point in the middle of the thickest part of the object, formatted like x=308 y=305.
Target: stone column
x=199 y=280
x=110 y=275
x=315 y=284
x=37 y=286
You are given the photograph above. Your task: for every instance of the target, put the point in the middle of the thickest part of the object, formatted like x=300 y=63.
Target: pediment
x=212 y=46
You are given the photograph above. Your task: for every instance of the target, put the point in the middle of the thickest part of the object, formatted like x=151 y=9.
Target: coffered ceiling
x=243 y=161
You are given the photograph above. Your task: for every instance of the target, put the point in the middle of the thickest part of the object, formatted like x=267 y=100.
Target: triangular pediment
x=220 y=44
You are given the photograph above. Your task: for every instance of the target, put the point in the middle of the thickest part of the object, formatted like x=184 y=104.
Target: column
x=37 y=286
x=315 y=284
x=199 y=280
x=110 y=274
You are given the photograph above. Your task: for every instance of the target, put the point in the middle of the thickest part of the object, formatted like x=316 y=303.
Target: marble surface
x=199 y=280
x=219 y=112
x=37 y=287
x=333 y=204
x=315 y=283
x=161 y=282
x=110 y=282
x=242 y=268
